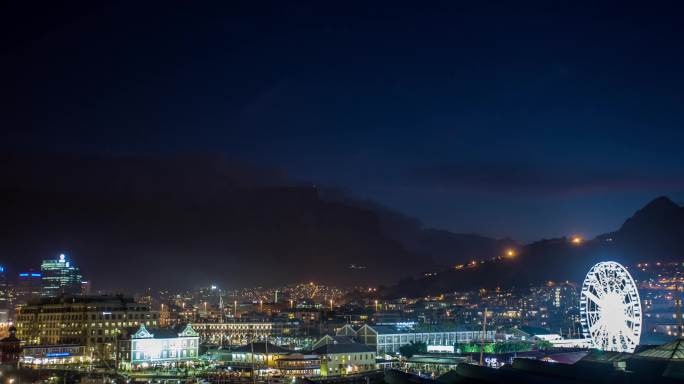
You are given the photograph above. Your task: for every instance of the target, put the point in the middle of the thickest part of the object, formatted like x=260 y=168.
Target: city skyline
x=381 y=192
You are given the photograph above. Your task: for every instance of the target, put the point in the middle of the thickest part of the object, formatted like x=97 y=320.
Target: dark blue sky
x=521 y=119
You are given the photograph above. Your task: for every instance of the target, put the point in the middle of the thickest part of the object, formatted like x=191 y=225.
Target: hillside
x=443 y=248
x=655 y=232
x=208 y=219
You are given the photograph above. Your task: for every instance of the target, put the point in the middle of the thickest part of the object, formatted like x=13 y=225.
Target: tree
x=543 y=345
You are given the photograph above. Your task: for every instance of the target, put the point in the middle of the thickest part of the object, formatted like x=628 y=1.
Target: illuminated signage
x=58 y=354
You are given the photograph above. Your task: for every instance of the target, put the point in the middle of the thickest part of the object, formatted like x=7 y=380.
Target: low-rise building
x=387 y=339
x=259 y=355
x=242 y=332
x=55 y=355
x=10 y=348
x=166 y=347
x=299 y=365
x=340 y=355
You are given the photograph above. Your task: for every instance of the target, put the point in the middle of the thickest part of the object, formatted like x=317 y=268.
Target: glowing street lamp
x=510 y=253
x=576 y=240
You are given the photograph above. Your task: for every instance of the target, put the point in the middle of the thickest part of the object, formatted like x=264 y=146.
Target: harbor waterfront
x=355 y=337
x=258 y=345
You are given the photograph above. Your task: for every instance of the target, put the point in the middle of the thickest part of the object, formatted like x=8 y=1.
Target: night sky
x=526 y=120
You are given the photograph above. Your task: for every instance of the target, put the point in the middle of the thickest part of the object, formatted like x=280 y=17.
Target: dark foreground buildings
x=662 y=364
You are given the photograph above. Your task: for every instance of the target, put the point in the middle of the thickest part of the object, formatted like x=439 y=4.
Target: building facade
x=387 y=339
x=340 y=355
x=94 y=322
x=29 y=286
x=60 y=277
x=4 y=290
x=299 y=365
x=260 y=355
x=10 y=348
x=243 y=332
x=60 y=355
x=165 y=347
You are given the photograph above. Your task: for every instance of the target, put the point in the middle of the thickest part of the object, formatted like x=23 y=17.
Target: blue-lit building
x=60 y=277
x=4 y=290
x=29 y=286
x=55 y=355
x=166 y=347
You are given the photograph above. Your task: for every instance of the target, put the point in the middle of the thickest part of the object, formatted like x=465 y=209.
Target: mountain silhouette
x=443 y=248
x=132 y=222
x=653 y=233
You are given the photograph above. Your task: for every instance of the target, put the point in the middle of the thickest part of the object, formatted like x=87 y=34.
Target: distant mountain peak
x=660 y=204
x=658 y=215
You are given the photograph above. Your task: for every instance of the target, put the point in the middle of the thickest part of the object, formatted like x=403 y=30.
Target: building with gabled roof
x=346 y=330
x=167 y=347
x=327 y=339
x=341 y=355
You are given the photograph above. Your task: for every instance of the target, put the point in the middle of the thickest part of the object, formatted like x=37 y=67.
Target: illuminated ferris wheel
x=610 y=308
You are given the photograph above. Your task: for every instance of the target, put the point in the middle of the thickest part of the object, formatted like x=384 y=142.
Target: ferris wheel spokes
x=610 y=308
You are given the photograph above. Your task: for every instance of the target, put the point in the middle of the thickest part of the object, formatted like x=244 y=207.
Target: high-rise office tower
x=60 y=277
x=29 y=286
x=4 y=289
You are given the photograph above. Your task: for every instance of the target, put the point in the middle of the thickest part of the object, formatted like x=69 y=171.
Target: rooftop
x=334 y=348
x=260 y=347
x=669 y=351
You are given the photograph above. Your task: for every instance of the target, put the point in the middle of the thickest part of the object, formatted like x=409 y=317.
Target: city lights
x=386 y=194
